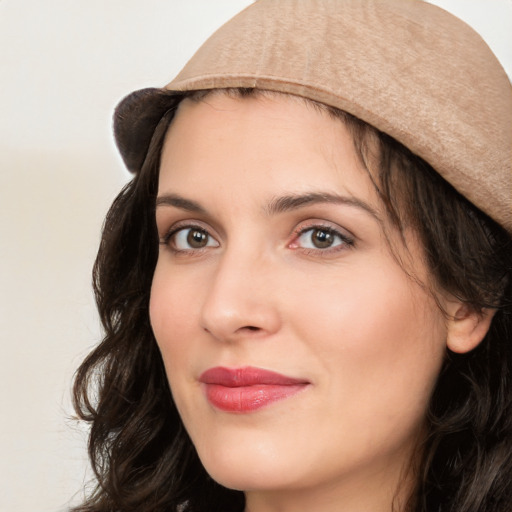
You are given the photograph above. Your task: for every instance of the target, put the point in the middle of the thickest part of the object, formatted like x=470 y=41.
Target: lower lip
x=248 y=398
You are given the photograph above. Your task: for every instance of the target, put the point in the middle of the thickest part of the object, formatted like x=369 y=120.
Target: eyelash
x=345 y=241
x=168 y=237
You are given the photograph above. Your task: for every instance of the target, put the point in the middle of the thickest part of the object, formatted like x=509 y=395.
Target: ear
x=467 y=327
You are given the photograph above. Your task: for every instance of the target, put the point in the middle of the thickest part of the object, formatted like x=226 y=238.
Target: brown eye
x=197 y=239
x=322 y=238
x=192 y=238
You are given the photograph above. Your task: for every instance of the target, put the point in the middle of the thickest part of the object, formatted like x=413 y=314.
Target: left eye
x=192 y=238
x=320 y=238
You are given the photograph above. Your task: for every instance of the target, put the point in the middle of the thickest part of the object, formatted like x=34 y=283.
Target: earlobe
x=467 y=327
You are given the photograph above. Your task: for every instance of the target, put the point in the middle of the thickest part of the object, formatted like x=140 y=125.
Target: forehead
x=275 y=142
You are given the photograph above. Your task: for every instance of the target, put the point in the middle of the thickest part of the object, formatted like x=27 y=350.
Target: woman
x=306 y=287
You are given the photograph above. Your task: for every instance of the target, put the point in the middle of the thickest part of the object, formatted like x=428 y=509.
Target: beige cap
x=407 y=67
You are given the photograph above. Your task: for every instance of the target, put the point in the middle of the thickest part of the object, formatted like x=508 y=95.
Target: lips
x=247 y=389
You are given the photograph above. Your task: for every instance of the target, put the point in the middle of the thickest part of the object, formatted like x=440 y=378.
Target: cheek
x=170 y=310
x=378 y=334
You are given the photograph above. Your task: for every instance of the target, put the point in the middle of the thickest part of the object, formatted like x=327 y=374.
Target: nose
x=240 y=302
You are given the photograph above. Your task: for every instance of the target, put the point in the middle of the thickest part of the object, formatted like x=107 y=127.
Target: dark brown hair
x=142 y=457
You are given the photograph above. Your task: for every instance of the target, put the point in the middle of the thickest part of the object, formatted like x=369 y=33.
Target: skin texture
x=348 y=319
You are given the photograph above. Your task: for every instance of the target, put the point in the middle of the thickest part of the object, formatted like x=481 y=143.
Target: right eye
x=190 y=238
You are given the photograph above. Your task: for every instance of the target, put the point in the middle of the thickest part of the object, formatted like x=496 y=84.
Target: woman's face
x=273 y=259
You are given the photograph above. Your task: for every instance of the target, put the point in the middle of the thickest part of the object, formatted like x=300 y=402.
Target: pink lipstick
x=247 y=389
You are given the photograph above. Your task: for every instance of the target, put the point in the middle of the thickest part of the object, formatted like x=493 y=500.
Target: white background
x=64 y=64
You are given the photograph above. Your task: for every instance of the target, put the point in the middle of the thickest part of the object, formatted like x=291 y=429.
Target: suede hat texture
x=409 y=68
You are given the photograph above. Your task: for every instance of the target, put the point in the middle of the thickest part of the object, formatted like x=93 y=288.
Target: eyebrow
x=180 y=202
x=295 y=201
x=277 y=205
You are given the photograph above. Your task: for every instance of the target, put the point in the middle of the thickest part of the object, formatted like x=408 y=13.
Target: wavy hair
x=141 y=455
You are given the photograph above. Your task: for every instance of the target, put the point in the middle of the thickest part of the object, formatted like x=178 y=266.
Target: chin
x=246 y=470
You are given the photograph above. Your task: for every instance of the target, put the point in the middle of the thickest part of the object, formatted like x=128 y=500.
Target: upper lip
x=246 y=376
